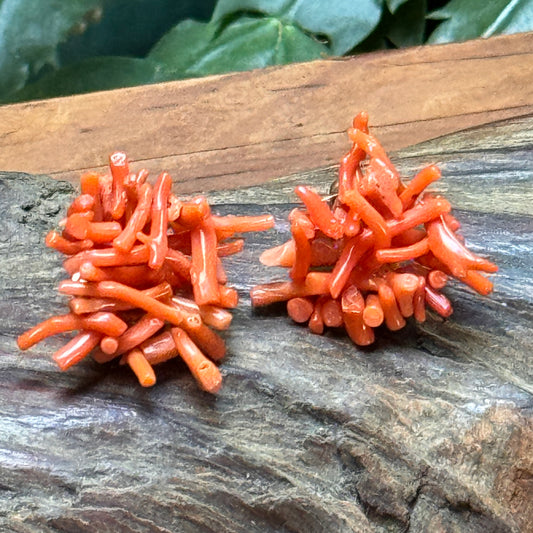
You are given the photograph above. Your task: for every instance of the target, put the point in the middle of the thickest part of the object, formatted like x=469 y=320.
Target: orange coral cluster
x=146 y=279
x=380 y=253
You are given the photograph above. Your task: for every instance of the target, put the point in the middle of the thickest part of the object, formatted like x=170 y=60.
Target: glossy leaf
x=182 y=46
x=393 y=5
x=30 y=31
x=344 y=22
x=406 y=26
x=95 y=74
x=466 y=19
x=244 y=44
x=131 y=28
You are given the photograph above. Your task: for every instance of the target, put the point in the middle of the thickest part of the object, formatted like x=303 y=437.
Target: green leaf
x=407 y=25
x=182 y=46
x=467 y=19
x=131 y=28
x=250 y=43
x=244 y=44
x=95 y=74
x=30 y=31
x=230 y=7
x=296 y=46
x=345 y=22
x=393 y=5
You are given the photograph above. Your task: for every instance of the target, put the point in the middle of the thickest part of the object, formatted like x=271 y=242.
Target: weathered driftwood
x=429 y=430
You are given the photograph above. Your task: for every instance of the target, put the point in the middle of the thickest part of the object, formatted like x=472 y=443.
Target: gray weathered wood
x=429 y=430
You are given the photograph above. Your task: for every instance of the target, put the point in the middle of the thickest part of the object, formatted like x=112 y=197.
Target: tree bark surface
x=429 y=430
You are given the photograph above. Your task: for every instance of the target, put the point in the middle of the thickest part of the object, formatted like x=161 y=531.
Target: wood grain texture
x=429 y=430
x=246 y=128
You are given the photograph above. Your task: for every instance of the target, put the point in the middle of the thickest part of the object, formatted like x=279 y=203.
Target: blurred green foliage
x=61 y=47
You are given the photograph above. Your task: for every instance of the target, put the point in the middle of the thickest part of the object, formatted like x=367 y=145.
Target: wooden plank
x=244 y=128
